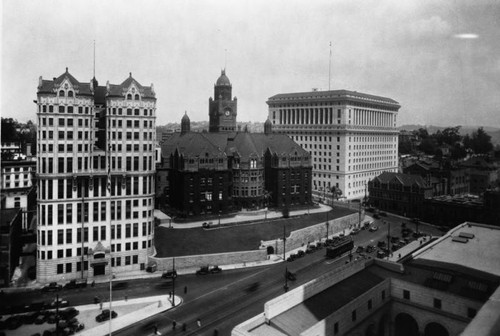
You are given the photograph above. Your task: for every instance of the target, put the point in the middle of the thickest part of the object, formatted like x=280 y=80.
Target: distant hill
x=494 y=132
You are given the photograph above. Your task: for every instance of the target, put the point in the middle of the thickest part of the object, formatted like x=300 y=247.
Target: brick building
x=399 y=193
x=225 y=169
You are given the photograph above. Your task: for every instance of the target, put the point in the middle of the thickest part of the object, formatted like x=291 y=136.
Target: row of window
x=66 y=236
x=130 y=112
x=64 y=109
x=68 y=267
x=438 y=304
x=65 y=213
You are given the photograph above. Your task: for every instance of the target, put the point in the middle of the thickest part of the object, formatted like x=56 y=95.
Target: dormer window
x=136 y=97
x=70 y=93
x=61 y=93
x=129 y=96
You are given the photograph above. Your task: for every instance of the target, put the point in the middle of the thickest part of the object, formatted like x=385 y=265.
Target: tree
x=450 y=136
x=422 y=133
x=9 y=132
x=480 y=142
x=428 y=146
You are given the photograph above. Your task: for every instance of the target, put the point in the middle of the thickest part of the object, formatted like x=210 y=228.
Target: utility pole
x=284 y=242
x=286 y=279
x=174 y=275
x=388 y=240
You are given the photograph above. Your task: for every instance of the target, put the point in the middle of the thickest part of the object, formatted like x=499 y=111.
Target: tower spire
x=225 y=59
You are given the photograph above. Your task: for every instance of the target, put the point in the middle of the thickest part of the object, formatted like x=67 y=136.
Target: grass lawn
x=243 y=237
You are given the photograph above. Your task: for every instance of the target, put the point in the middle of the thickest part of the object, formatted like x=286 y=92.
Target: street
x=220 y=301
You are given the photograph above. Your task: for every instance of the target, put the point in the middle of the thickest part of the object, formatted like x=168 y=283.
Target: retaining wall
x=313 y=233
x=197 y=261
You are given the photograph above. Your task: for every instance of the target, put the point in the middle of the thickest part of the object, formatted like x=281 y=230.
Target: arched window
x=70 y=93
x=129 y=96
x=61 y=93
x=136 y=97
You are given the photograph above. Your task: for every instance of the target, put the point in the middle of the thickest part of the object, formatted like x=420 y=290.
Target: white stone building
x=95 y=177
x=351 y=136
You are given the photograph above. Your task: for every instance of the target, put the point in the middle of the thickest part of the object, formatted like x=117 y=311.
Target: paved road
x=223 y=300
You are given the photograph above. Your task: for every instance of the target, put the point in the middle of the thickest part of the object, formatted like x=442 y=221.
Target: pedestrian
x=126 y=298
x=185 y=289
x=174 y=324
x=100 y=305
x=198 y=322
x=92 y=284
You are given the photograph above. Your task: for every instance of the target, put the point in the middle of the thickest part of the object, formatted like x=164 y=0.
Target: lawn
x=244 y=237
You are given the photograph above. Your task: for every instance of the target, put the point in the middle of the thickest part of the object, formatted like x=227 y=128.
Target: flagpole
x=330 y=66
x=108 y=189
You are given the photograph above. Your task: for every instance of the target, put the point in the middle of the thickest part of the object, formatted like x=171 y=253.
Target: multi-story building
x=483 y=173
x=17 y=187
x=351 y=136
x=95 y=177
x=10 y=243
x=447 y=178
x=440 y=286
x=227 y=169
x=399 y=193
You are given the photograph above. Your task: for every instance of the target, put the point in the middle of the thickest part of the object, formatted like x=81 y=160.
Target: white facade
x=351 y=136
x=84 y=219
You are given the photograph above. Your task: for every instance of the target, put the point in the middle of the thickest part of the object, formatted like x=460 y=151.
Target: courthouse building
x=95 y=177
x=227 y=169
x=351 y=136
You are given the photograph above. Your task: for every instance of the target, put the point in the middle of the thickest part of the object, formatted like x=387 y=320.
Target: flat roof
x=306 y=314
x=475 y=253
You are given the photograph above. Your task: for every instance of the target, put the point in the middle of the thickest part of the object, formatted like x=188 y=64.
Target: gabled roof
x=121 y=89
x=242 y=144
x=333 y=94
x=404 y=179
x=51 y=86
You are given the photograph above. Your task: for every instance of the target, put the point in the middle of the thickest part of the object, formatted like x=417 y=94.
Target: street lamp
x=327 y=225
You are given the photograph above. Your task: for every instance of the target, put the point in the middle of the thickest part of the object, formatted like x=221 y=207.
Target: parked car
x=301 y=253
x=373 y=228
x=105 y=315
x=380 y=254
x=203 y=270
x=291 y=257
x=291 y=276
x=360 y=249
x=151 y=268
x=76 y=284
x=205 y=225
x=376 y=216
x=215 y=269
x=59 y=303
x=40 y=319
x=381 y=243
x=169 y=274
x=30 y=317
x=369 y=249
x=52 y=287
x=69 y=313
x=382 y=213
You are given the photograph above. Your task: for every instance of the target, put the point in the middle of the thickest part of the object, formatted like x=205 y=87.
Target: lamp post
x=286 y=280
x=327 y=225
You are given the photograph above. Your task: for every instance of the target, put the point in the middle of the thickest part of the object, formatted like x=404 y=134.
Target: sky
x=439 y=59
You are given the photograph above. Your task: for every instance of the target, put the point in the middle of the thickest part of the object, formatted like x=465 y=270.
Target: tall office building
x=351 y=136
x=95 y=177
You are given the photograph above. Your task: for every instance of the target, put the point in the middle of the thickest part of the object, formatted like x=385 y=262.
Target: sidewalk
x=249 y=216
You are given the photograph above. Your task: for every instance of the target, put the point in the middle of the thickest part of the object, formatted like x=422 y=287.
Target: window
x=406 y=294
x=437 y=303
x=370 y=304
x=60 y=268
x=336 y=328
x=353 y=315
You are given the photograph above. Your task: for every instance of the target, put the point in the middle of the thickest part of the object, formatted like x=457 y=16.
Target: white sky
x=410 y=51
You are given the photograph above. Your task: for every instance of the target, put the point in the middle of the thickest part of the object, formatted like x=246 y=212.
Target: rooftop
x=474 y=253
x=333 y=94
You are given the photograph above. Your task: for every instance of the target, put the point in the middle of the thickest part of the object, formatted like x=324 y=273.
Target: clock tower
x=222 y=108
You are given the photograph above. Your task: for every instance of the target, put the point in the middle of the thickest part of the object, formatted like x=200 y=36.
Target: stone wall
x=312 y=233
x=196 y=261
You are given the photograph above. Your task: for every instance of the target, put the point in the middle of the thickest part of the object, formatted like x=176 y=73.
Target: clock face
x=227 y=113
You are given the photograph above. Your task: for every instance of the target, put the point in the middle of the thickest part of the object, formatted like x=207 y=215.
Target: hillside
x=494 y=132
